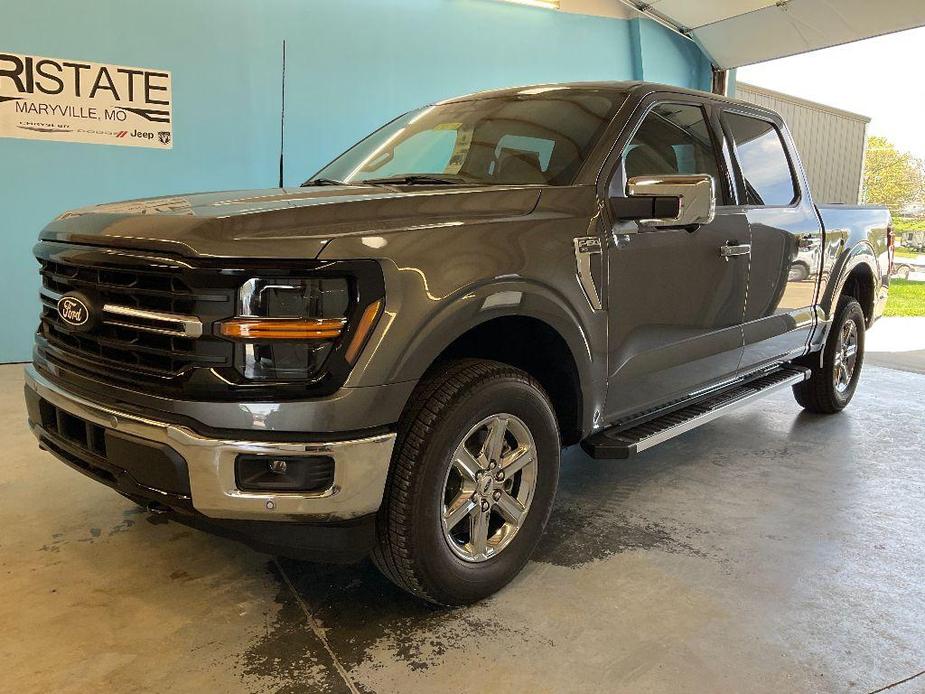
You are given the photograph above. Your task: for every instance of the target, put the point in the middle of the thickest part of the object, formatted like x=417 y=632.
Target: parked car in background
x=913 y=240
x=808 y=260
x=904 y=267
x=388 y=360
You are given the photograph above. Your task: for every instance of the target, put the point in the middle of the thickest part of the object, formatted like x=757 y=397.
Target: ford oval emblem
x=73 y=311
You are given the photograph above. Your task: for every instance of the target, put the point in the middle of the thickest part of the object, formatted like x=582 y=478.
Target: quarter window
x=763 y=160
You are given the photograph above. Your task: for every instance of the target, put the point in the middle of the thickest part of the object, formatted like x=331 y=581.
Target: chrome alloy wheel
x=489 y=486
x=846 y=356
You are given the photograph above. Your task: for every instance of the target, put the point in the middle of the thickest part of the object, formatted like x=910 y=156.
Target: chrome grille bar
x=173 y=324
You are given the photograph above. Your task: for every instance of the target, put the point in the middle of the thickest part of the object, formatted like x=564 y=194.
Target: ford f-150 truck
x=389 y=359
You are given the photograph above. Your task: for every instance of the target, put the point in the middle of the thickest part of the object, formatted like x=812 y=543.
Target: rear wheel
x=472 y=483
x=833 y=382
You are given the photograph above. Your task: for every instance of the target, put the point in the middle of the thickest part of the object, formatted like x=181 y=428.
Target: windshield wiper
x=322 y=182
x=413 y=179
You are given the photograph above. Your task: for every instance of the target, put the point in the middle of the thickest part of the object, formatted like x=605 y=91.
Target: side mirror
x=668 y=201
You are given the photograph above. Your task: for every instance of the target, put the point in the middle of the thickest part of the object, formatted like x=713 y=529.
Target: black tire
x=412 y=550
x=819 y=394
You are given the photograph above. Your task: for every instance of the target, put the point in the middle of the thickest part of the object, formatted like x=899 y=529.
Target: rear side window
x=763 y=160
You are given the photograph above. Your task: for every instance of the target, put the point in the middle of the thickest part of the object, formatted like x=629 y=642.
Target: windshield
x=540 y=135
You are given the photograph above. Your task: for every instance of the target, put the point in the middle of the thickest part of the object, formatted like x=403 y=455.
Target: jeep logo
x=73 y=311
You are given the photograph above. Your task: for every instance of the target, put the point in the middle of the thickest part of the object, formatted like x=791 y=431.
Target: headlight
x=288 y=327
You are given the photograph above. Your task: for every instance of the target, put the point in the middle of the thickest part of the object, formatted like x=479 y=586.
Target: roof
x=614 y=86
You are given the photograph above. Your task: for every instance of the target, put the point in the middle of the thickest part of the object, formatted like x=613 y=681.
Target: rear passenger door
x=785 y=237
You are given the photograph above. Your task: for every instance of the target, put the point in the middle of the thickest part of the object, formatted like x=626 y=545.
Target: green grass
x=901 y=224
x=907 y=298
x=901 y=252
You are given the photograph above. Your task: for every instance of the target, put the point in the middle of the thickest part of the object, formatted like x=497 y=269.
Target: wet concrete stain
x=288 y=657
x=59 y=540
x=366 y=620
x=121 y=527
x=575 y=536
x=364 y=617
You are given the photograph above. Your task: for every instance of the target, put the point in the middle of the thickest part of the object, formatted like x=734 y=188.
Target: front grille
x=137 y=340
x=86 y=436
x=130 y=464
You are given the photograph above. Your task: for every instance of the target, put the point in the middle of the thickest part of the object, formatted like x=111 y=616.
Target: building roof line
x=804 y=102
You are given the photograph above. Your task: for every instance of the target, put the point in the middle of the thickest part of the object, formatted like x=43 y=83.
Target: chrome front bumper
x=360 y=465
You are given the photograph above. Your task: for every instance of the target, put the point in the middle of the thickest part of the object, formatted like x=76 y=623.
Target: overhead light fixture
x=545 y=4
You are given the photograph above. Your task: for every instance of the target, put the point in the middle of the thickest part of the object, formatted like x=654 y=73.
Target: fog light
x=255 y=473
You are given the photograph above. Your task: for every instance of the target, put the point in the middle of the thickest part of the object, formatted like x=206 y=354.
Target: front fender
x=485 y=303
x=416 y=327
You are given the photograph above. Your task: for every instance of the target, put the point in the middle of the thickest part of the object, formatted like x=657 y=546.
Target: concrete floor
x=898 y=343
x=769 y=551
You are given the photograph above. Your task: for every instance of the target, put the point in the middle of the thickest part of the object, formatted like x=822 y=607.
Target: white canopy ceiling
x=741 y=32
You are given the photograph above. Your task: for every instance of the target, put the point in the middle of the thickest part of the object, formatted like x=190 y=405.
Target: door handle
x=732 y=250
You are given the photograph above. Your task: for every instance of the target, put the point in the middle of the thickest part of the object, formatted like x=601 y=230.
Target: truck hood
x=281 y=222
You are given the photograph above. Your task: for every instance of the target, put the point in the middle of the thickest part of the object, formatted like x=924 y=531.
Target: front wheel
x=833 y=382
x=472 y=483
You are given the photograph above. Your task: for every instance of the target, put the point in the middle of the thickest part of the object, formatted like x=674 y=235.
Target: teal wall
x=352 y=64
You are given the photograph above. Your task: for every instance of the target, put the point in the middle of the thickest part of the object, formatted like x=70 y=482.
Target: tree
x=891 y=177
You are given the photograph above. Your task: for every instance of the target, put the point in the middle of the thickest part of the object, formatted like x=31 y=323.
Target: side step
x=627 y=439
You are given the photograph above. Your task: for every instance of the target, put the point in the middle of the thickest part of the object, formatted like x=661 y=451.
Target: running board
x=624 y=441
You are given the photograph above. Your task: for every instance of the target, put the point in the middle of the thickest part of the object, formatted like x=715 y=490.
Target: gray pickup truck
x=388 y=359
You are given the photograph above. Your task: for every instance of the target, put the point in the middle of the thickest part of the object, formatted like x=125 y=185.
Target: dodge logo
x=73 y=311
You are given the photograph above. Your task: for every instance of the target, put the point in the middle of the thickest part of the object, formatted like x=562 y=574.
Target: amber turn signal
x=283 y=328
x=364 y=328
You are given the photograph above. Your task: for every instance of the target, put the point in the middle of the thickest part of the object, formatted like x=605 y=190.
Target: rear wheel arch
x=858 y=277
x=860 y=284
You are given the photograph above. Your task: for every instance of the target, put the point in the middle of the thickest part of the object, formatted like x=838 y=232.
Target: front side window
x=763 y=160
x=673 y=139
x=539 y=135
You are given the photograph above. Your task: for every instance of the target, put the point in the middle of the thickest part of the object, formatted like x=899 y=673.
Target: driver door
x=675 y=304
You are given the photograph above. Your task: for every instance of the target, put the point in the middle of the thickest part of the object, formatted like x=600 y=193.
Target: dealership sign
x=78 y=101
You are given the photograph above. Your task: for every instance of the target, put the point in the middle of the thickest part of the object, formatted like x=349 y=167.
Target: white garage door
x=741 y=32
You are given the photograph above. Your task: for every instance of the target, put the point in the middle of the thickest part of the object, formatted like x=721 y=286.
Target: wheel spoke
x=845 y=374
x=510 y=508
x=489 y=487
x=465 y=463
x=516 y=460
x=494 y=442
x=851 y=350
x=459 y=508
x=478 y=532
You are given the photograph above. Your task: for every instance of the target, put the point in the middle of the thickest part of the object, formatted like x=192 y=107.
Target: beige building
x=831 y=141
